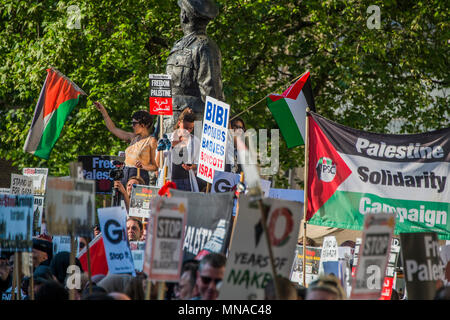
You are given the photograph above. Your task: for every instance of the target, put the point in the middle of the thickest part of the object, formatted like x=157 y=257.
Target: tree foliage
x=361 y=77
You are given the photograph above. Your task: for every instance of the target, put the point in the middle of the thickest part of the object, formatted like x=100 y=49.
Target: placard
x=21 y=184
x=38 y=210
x=39 y=176
x=169 y=220
x=214 y=139
x=113 y=225
x=312 y=264
x=141 y=196
x=70 y=205
x=373 y=258
x=329 y=253
x=16 y=222
x=98 y=168
x=161 y=94
x=390 y=276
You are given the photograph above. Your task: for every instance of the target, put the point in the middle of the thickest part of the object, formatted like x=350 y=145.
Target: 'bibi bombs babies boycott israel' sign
x=214 y=139
x=248 y=268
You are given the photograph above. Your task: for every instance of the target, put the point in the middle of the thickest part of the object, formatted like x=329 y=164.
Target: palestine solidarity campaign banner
x=353 y=173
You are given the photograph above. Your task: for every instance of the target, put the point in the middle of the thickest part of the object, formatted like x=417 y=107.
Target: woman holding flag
x=140 y=153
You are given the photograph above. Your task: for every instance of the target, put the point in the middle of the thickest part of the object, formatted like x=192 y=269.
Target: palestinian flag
x=353 y=172
x=289 y=110
x=58 y=97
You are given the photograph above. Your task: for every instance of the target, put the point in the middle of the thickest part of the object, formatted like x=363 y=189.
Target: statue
x=194 y=62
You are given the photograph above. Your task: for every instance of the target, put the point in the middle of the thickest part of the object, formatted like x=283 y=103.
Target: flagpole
x=305 y=193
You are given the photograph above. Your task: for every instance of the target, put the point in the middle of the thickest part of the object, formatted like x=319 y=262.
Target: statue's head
x=197 y=12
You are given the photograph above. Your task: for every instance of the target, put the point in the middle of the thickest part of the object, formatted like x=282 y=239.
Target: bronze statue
x=194 y=61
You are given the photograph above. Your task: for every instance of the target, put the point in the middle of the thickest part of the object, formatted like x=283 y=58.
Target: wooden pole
x=72 y=260
x=19 y=275
x=208 y=187
x=31 y=284
x=14 y=279
x=161 y=290
x=305 y=193
x=148 y=289
x=104 y=201
x=264 y=213
x=88 y=255
x=241 y=180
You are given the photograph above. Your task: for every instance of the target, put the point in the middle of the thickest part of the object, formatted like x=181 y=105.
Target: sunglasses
x=207 y=280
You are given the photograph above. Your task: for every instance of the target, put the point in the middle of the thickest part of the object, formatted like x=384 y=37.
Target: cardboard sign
x=21 y=184
x=70 y=206
x=61 y=244
x=214 y=139
x=161 y=94
x=141 y=197
x=389 y=278
x=374 y=254
x=248 y=266
x=39 y=176
x=16 y=222
x=312 y=264
x=169 y=220
x=137 y=251
x=113 y=225
x=329 y=253
x=98 y=168
x=421 y=264
x=227 y=181
x=38 y=210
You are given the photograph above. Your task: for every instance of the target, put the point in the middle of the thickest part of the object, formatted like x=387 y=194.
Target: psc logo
x=326 y=169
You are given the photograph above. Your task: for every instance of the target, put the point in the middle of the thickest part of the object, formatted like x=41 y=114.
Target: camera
x=117 y=172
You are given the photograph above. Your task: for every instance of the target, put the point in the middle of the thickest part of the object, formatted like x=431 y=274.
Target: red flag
x=99 y=265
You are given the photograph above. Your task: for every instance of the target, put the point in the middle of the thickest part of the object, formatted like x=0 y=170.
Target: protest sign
x=356 y=256
x=287 y=194
x=312 y=264
x=21 y=184
x=421 y=263
x=70 y=205
x=141 y=196
x=5 y=190
x=98 y=168
x=38 y=210
x=373 y=257
x=39 y=176
x=161 y=94
x=248 y=268
x=207 y=212
x=227 y=181
x=214 y=139
x=16 y=222
x=60 y=244
x=137 y=251
x=169 y=220
x=389 y=278
x=329 y=253
x=113 y=225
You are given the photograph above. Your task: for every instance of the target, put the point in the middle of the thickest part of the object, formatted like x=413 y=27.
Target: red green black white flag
x=352 y=173
x=289 y=110
x=58 y=98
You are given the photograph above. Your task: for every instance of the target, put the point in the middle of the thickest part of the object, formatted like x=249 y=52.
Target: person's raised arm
x=119 y=133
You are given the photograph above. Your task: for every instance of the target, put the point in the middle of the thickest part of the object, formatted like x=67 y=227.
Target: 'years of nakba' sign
x=353 y=173
x=214 y=139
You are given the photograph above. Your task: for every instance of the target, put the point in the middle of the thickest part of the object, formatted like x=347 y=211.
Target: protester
x=42 y=251
x=59 y=265
x=97 y=296
x=135 y=288
x=183 y=152
x=51 y=290
x=327 y=287
x=6 y=272
x=115 y=282
x=140 y=153
x=144 y=230
x=134 y=229
x=126 y=193
x=41 y=275
x=301 y=291
x=287 y=290
x=237 y=126
x=186 y=287
x=211 y=271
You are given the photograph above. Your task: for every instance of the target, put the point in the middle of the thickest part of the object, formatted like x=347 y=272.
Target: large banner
x=39 y=176
x=208 y=214
x=374 y=255
x=98 y=168
x=70 y=206
x=214 y=139
x=353 y=173
x=113 y=225
x=16 y=219
x=248 y=268
x=422 y=265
